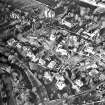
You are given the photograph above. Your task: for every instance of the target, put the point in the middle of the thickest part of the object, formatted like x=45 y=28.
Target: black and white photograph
x=52 y=52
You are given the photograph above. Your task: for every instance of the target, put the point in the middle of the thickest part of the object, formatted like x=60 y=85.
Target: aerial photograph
x=52 y=52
